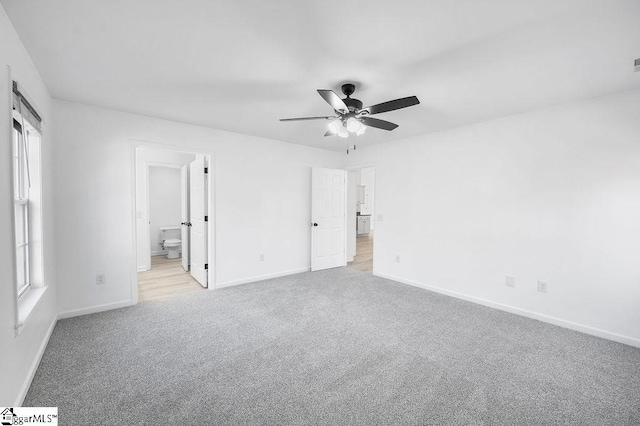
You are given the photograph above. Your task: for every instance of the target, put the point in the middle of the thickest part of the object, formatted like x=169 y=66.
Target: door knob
x=315 y=224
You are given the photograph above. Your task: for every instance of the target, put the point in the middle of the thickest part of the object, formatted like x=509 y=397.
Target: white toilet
x=170 y=241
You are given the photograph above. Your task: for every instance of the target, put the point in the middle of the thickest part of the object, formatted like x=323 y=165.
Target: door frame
x=210 y=162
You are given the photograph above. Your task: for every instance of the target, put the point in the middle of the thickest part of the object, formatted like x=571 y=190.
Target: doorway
x=172 y=222
x=342 y=218
x=361 y=219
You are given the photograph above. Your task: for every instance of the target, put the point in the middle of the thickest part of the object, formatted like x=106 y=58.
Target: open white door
x=184 y=218
x=199 y=220
x=328 y=218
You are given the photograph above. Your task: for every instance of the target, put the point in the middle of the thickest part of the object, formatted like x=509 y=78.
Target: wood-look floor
x=364 y=254
x=166 y=278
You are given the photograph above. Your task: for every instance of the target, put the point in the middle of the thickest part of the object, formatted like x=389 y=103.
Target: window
x=21 y=187
x=27 y=196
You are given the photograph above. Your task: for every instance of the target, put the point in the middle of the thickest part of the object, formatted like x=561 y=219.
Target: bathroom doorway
x=172 y=222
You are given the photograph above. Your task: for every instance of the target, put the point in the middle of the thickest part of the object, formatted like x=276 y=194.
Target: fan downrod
x=352 y=103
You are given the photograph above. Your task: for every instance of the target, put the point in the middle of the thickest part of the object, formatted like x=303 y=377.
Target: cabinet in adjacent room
x=363 y=225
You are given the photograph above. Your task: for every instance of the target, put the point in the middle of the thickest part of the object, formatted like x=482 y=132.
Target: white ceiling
x=240 y=65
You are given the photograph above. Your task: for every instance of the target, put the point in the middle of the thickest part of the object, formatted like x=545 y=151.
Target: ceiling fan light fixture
x=351 y=118
x=335 y=125
x=353 y=124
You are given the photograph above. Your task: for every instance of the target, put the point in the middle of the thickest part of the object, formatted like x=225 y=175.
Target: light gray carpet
x=331 y=347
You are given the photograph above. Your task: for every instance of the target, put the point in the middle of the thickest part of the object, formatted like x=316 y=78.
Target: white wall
x=145 y=156
x=19 y=354
x=165 y=202
x=551 y=195
x=262 y=201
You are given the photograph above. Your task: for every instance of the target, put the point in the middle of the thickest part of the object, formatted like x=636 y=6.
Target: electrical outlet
x=510 y=281
x=397 y=258
x=542 y=286
x=261 y=257
x=100 y=279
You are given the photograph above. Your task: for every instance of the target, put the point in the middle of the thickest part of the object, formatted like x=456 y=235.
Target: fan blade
x=308 y=118
x=378 y=124
x=392 y=105
x=334 y=100
x=330 y=133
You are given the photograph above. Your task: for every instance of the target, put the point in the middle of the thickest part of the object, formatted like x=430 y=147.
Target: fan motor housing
x=353 y=104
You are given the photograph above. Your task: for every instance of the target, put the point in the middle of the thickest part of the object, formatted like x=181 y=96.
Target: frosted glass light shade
x=334 y=126
x=353 y=125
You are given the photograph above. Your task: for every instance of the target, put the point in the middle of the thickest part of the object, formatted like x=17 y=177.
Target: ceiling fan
x=352 y=117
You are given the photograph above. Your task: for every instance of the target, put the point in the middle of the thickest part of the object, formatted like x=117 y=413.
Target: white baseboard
x=34 y=365
x=261 y=277
x=143 y=268
x=518 y=311
x=94 y=309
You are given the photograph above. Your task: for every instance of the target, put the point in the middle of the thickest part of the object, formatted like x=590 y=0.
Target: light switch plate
x=542 y=286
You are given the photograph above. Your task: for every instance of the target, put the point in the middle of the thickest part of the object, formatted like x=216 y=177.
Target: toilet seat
x=171 y=242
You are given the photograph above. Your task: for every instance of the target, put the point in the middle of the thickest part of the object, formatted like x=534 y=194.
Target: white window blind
x=25 y=109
